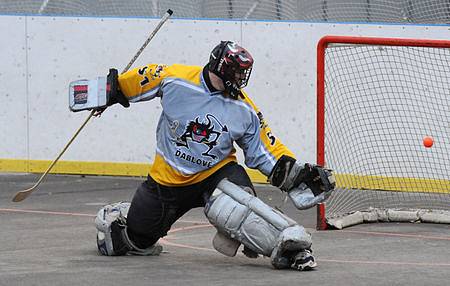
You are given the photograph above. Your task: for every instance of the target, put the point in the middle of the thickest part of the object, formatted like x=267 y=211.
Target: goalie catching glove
x=96 y=94
x=307 y=185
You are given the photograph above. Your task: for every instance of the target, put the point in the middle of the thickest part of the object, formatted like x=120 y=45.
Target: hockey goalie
x=205 y=111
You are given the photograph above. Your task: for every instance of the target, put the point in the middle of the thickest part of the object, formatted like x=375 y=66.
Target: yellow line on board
x=141 y=170
x=385 y=183
x=92 y=168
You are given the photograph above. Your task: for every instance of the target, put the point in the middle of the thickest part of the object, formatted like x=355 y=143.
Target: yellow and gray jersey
x=197 y=127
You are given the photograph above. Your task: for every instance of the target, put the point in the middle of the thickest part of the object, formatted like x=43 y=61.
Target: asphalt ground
x=49 y=239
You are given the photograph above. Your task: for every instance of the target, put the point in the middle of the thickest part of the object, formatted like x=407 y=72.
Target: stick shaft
x=20 y=196
x=64 y=149
x=150 y=37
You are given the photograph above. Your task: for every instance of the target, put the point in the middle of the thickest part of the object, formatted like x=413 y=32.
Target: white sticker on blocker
x=88 y=94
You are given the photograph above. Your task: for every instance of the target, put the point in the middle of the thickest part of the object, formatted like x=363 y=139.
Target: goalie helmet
x=233 y=64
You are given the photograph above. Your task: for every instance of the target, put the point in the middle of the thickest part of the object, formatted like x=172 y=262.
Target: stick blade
x=20 y=196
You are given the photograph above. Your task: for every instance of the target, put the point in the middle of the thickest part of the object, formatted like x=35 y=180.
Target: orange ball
x=428 y=141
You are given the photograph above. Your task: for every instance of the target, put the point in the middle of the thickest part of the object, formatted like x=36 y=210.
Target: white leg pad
x=248 y=220
x=105 y=217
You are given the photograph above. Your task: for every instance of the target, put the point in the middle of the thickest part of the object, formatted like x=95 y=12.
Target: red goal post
x=376 y=99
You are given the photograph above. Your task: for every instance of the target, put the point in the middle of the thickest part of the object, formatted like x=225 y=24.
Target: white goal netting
x=394 y=11
x=380 y=101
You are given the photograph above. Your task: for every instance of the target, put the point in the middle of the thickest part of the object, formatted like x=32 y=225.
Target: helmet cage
x=233 y=64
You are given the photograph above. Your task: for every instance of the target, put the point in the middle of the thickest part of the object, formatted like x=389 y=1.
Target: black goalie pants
x=155 y=208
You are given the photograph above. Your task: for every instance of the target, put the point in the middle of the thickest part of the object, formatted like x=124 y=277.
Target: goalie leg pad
x=112 y=236
x=104 y=220
x=248 y=220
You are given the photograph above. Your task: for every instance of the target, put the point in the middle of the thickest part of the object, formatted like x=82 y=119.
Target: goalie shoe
x=304 y=261
x=112 y=236
x=287 y=255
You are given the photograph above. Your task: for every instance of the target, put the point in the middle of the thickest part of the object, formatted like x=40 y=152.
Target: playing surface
x=49 y=239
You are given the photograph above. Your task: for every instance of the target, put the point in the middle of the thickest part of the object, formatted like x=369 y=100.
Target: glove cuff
x=279 y=175
x=115 y=95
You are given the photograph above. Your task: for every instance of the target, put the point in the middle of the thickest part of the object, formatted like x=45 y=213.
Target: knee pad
x=110 y=223
x=241 y=217
x=112 y=236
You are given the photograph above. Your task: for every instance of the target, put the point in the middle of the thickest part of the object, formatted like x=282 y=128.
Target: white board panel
x=88 y=47
x=13 y=87
x=62 y=49
x=283 y=82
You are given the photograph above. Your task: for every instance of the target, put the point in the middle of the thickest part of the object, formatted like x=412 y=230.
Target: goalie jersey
x=198 y=127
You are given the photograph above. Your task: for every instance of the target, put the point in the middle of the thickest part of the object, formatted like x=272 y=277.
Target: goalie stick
x=21 y=195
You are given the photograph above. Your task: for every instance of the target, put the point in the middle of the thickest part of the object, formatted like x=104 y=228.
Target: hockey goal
x=377 y=99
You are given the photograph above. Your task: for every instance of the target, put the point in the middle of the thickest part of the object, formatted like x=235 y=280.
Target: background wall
x=44 y=54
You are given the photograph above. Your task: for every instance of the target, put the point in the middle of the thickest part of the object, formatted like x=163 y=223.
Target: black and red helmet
x=233 y=64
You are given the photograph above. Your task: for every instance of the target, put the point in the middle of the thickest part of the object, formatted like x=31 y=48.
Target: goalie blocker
x=307 y=185
x=96 y=94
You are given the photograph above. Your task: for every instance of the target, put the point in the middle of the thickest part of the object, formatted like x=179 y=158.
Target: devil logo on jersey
x=202 y=133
